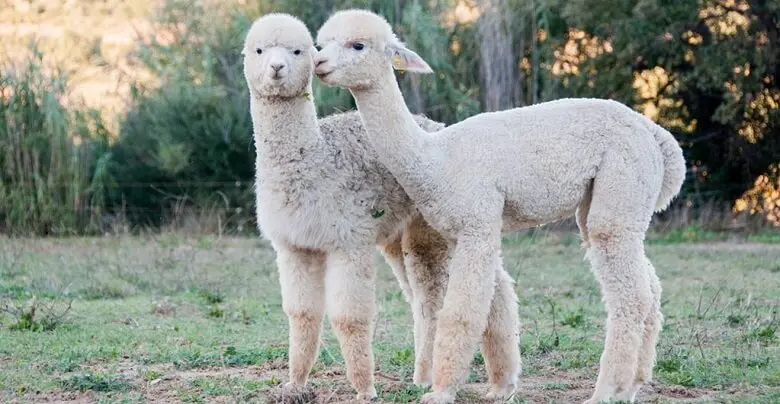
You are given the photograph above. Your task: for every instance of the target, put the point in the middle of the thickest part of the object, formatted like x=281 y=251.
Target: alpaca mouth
x=322 y=74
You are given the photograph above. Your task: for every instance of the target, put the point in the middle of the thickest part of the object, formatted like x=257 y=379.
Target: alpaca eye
x=358 y=46
x=259 y=51
x=297 y=52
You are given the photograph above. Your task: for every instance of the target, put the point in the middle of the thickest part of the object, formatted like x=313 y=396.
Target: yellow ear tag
x=398 y=62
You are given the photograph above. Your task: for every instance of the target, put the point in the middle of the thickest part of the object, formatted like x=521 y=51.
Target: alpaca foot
x=438 y=398
x=292 y=393
x=620 y=395
x=367 y=395
x=501 y=393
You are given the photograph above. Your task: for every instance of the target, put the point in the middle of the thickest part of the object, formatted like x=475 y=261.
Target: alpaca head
x=278 y=54
x=358 y=47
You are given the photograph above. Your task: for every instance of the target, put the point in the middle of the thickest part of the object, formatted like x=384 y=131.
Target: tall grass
x=47 y=153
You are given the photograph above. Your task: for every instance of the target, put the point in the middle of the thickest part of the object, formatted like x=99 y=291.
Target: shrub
x=51 y=159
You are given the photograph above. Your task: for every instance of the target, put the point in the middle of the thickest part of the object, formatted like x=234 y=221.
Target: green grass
x=169 y=318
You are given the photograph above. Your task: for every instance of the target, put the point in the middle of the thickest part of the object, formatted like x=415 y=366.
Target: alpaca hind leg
x=464 y=315
x=394 y=256
x=500 y=346
x=426 y=255
x=581 y=216
x=349 y=282
x=618 y=262
x=652 y=329
x=301 y=275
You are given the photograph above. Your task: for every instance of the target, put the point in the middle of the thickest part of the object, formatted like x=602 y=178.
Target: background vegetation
x=127 y=115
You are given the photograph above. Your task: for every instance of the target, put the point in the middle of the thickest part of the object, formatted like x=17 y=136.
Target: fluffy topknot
x=354 y=25
x=278 y=29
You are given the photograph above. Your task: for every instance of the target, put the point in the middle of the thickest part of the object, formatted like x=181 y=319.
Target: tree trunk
x=498 y=64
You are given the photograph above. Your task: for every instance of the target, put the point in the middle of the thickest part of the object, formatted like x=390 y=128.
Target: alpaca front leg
x=301 y=275
x=500 y=342
x=464 y=315
x=349 y=282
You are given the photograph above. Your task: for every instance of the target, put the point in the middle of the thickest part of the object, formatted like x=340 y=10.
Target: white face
x=350 y=64
x=278 y=64
x=360 y=62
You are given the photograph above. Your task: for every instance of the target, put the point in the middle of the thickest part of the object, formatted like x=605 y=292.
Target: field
x=169 y=318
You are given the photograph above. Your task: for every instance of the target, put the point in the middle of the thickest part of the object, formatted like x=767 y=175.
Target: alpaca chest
x=311 y=220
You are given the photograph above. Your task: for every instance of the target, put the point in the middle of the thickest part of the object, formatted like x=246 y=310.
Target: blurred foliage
x=707 y=70
x=186 y=143
x=52 y=157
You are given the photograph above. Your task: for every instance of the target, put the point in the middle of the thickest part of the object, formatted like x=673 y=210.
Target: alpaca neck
x=286 y=130
x=403 y=147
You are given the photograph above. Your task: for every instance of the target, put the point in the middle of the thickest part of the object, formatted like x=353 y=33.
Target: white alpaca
x=513 y=169
x=325 y=202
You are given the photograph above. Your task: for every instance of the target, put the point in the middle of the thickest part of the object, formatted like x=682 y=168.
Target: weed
x=212 y=297
x=405 y=394
x=764 y=335
x=94 y=381
x=151 y=374
x=211 y=387
x=403 y=357
x=574 y=319
x=734 y=320
x=39 y=315
x=216 y=312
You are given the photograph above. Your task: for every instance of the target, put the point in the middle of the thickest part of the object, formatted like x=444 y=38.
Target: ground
x=170 y=318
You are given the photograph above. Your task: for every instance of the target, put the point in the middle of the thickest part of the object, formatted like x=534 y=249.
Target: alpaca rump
x=598 y=160
x=326 y=203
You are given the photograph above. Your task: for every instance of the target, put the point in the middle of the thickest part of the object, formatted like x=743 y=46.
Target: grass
x=199 y=319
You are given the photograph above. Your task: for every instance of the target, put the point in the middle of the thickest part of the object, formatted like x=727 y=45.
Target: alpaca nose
x=319 y=60
x=277 y=66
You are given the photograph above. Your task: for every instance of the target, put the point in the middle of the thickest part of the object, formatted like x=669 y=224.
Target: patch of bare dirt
x=330 y=385
x=60 y=397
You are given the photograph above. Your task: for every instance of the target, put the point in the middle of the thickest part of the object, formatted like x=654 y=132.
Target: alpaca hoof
x=438 y=398
x=367 y=395
x=622 y=398
x=498 y=393
x=291 y=393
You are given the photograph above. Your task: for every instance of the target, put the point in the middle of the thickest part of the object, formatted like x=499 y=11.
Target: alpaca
x=598 y=160
x=325 y=202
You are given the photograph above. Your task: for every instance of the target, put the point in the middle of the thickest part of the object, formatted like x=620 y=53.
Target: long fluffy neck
x=286 y=130
x=403 y=147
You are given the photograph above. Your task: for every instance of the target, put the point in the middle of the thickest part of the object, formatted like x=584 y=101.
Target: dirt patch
x=330 y=385
x=60 y=397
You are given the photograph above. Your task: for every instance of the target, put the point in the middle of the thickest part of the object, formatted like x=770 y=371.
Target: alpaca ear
x=404 y=59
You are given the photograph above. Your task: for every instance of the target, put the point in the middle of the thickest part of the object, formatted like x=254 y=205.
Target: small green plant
x=216 y=312
x=403 y=357
x=734 y=320
x=406 y=394
x=211 y=387
x=94 y=381
x=151 y=374
x=574 y=319
x=764 y=335
x=212 y=296
x=38 y=315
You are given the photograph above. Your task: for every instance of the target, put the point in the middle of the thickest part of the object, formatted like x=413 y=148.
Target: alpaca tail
x=674 y=166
